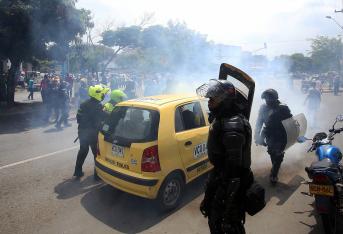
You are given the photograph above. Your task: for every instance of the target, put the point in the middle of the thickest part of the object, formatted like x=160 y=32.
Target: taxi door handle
x=188 y=143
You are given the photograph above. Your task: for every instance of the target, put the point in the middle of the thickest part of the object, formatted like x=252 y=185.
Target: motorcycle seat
x=322 y=165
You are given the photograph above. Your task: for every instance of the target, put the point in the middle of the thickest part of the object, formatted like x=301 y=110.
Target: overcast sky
x=285 y=25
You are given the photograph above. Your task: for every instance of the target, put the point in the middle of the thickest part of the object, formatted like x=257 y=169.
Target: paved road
x=38 y=195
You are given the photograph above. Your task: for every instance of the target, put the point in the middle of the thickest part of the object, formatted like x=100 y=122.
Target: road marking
x=38 y=157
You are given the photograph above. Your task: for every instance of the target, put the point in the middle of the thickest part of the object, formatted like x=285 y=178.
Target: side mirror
x=302 y=139
x=339 y=118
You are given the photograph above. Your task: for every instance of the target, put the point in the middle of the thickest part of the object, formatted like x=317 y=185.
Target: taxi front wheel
x=170 y=193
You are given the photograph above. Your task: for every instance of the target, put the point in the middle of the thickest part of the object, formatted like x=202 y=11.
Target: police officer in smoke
x=229 y=150
x=269 y=130
x=89 y=117
x=63 y=105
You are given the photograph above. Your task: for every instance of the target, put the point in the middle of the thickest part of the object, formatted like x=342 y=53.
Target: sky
x=284 y=25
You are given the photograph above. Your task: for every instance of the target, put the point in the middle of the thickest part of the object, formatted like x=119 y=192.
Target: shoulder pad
x=284 y=106
x=235 y=123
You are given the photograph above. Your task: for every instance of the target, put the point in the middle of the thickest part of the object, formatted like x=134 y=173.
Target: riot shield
x=243 y=83
x=295 y=126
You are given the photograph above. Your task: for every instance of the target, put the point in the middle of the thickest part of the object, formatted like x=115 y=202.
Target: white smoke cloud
x=284 y=25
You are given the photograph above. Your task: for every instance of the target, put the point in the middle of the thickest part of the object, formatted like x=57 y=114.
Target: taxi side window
x=188 y=117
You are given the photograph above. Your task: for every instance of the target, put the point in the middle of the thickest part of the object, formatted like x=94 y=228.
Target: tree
x=171 y=49
x=85 y=57
x=326 y=53
x=29 y=28
x=300 y=63
x=120 y=39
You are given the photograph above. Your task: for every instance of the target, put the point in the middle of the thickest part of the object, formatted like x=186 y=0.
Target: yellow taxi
x=151 y=147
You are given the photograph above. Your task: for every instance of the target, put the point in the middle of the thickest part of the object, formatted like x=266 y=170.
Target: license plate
x=118 y=151
x=324 y=190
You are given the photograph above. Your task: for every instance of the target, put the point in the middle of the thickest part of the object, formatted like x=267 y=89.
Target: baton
x=76 y=139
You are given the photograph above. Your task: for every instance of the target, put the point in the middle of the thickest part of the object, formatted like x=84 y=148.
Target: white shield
x=295 y=126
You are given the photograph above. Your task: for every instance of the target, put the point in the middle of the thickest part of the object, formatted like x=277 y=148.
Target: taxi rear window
x=133 y=125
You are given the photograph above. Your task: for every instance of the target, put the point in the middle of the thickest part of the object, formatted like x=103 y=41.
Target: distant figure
x=69 y=87
x=83 y=91
x=312 y=101
x=336 y=84
x=130 y=89
x=319 y=86
x=30 y=89
x=54 y=97
x=63 y=105
x=44 y=88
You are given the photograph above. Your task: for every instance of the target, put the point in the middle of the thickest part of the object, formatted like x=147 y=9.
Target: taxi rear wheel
x=170 y=193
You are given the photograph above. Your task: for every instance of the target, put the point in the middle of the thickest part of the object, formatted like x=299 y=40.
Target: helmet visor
x=211 y=90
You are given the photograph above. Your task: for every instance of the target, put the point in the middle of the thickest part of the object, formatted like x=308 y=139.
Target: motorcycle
x=326 y=176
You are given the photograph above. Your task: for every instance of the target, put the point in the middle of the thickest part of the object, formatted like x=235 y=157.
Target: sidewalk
x=26 y=114
x=22 y=104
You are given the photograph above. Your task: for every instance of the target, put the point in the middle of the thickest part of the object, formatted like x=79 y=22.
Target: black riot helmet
x=222 y=92
x=270 y=95
x=218 y=89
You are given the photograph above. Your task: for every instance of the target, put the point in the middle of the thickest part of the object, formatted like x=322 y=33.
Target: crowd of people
x=56 y=95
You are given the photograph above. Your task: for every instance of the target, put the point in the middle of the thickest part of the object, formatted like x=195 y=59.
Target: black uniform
x=89 y=117
x=229 y=150
x=63 y=105
x=273 y=134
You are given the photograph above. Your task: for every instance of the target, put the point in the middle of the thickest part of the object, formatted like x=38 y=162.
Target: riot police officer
x=63 y=105
x=89 y=118
x=269 y=130
x=229 y=150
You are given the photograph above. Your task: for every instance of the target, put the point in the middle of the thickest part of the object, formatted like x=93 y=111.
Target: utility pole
x=340 y=62
x=340 y=11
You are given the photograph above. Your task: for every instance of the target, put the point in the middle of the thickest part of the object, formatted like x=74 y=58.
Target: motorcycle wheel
x=329 y=223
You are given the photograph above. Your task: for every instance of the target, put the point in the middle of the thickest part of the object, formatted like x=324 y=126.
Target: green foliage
x=28 y=27
x=122 y=37
x=326 y=53
x=158 y=49
x=300 y=63
x=85 y=57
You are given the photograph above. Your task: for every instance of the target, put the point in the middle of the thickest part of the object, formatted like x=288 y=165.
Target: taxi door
x=191 y=131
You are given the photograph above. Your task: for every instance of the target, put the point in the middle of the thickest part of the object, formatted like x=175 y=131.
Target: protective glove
x=260 y=141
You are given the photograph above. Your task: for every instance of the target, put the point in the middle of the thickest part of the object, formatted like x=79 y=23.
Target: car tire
x=170 y=193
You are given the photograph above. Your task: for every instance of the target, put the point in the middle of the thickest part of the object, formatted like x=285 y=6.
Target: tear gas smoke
x=296 y=157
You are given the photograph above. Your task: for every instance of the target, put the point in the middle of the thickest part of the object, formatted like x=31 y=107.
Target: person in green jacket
x=116 y=96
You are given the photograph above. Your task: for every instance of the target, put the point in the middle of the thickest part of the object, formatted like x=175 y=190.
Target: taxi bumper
x=143 y=187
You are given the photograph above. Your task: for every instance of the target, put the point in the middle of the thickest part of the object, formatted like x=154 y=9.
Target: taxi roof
x=160 y=100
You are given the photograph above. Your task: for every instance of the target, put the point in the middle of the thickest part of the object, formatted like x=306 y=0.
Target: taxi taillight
x=150 y=160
